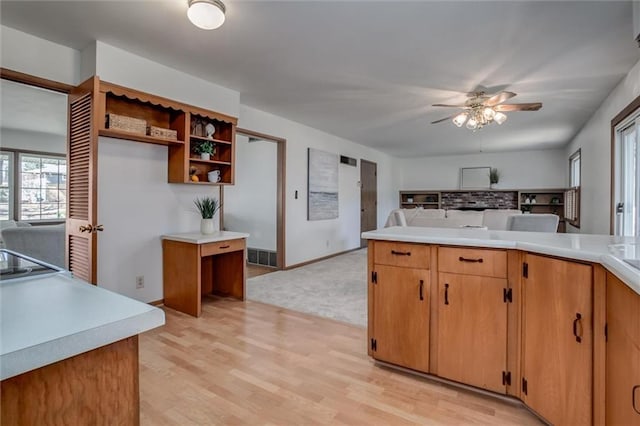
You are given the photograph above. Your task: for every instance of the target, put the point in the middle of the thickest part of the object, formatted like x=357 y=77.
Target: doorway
x=256 y=203
x=368 y=197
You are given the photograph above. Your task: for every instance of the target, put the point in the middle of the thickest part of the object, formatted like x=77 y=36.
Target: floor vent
x=262 y=257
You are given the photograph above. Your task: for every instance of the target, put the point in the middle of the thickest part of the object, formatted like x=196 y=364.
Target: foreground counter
x=69 y=351
x=552 y=320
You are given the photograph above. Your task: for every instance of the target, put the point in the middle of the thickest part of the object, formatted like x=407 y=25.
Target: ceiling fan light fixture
x=500 y=117
x=459 y=119
x=472 y=124
x=489 y=113
x=206 y=14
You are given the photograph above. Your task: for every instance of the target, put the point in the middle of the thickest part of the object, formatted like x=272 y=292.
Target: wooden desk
x=195 y=264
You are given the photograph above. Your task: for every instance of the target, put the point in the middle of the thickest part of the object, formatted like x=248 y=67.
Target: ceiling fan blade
x=449 y=106
x=518 y=107
x=499 y=98
x=444 y=119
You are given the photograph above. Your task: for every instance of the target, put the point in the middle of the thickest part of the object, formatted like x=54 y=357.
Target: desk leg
x=229 y=274
x=181 y=268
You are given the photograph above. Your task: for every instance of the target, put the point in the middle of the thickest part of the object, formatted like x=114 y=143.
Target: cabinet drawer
x=486 y=263
x=402 y=254
x=221 y=247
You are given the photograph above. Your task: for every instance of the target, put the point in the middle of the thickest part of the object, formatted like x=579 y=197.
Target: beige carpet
x=334 y=288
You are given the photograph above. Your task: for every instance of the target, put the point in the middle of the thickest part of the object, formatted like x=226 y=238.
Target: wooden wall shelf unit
x=424 y=199
x=187 y=121
x=546 y=201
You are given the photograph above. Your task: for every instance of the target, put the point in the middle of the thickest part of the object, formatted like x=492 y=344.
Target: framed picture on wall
x=322 y=198
x=475 y=178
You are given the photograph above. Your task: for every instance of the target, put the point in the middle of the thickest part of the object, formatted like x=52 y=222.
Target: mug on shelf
x=214 y=176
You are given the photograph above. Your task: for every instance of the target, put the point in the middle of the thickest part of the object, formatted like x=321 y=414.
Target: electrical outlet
x=140 y=281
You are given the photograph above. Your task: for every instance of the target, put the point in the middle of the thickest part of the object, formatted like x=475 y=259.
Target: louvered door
x=81 y=244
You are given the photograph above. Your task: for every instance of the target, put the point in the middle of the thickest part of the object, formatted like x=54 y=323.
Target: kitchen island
x=552 y=320
x=69 y=351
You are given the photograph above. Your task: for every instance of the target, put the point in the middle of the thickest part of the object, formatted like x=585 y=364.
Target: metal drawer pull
x=401 y=253
x=575 y=327
x=633 y=398
x=225 y=247
x=446 y=294
x=464 y=259
x=421 y=289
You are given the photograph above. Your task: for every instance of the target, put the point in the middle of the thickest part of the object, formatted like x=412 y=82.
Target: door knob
x=98 y=228
x=88 y=228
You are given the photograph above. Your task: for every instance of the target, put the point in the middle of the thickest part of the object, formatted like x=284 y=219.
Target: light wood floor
x=256 y=364
x=256 y=270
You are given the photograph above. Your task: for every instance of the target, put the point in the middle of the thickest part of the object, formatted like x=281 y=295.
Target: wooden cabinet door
x=82 y=163
x=401 y=316
x=558 y=340
x=472 y=330
x=623 y=354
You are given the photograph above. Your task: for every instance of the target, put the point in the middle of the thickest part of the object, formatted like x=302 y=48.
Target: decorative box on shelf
x=126 y=124
x=160 y=132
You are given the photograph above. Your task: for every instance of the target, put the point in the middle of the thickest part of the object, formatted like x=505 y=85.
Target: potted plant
x=494 y=176
x=208 y=207
x=206 y=149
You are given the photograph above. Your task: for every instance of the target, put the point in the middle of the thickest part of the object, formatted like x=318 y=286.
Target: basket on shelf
x=163 y=133
x=126 y=124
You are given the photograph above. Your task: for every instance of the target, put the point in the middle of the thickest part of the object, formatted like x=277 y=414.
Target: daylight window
x=626 y=176
x=6 y=166
x=42 y=187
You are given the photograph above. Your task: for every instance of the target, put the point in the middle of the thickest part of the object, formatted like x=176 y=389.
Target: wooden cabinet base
x=98 y=387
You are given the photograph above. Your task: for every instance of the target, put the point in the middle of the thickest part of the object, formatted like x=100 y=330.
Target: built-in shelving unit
x=188 y=124
x=543 y=201
x=424 y=199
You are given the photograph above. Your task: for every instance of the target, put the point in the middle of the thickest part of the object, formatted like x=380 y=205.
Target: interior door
x=82 y=161
x=368 y=197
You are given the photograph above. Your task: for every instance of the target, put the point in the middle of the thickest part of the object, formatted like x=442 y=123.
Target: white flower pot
x=208 y=226
x=205 y=156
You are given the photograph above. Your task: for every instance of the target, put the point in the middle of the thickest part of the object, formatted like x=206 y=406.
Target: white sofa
x=440 y=218
x=44 y=242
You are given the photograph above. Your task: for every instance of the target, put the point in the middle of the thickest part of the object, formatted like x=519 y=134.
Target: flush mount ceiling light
x=206 y=14
x=482 y=109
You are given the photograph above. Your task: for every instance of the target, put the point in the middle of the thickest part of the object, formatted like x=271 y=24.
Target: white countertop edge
x=625 y=272
x=198 y=238
x=31 y=358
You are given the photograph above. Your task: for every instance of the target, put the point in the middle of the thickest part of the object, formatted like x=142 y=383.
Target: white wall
x=33 y=141
x=307 y=240
x=121 y=67
x=136 y=205
x=518 y=170
x=595 y=141
x=32 y=55
x=250 y=204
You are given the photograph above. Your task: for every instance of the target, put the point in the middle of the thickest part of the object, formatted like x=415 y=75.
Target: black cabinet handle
x=421 y=289
x=401 y=253
x=575 y=327
x=464 y=259
x=225 y=247
x=633 y=398
x=446 y=294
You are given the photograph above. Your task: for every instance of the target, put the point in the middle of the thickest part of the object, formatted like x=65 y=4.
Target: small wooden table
x=195 y=264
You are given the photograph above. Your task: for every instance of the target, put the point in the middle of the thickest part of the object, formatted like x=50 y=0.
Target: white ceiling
x=369 y=71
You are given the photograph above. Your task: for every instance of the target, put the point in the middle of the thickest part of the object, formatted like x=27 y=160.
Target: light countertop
x=198 y=238
x=49 y=318
x=609 y=251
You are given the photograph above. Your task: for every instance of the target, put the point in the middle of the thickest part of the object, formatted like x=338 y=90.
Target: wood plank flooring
x=256 y=364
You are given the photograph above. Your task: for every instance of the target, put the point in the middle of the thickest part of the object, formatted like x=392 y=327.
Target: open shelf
x=199 y=160
x=120 y=134
x=201 y=138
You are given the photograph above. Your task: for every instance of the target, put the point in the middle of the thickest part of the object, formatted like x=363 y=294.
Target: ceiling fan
x=482 y=109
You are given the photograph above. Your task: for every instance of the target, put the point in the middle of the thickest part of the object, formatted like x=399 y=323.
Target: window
x=43 y=184
x=626 y=175
x=574 y=169
x=33 y=186
x=6 y=166
x=572 y=195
